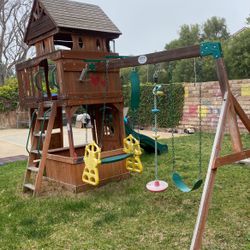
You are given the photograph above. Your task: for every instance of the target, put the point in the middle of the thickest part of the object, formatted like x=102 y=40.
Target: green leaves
x=214 y=29
x=9 y=95
x=237 y=55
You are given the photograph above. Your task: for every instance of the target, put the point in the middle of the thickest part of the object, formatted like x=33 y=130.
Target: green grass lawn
x=123 y=215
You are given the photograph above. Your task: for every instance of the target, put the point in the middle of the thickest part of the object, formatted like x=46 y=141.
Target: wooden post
x=210 y=178
x=244 y=118
x=232 y=119
x=234 y=129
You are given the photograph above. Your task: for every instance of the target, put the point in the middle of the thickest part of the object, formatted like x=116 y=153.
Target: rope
x=171 y=97
x=200 y=133
x=155 y=131
x=155 y=111
x=172 y=128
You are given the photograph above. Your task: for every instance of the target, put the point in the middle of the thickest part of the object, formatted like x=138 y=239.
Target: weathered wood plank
x=39 y=27
x=55 y=55
x=152 y=58
x=232 y=119
x=243 y=116
x=115 y=152
x=232 y=158
x=80 y=54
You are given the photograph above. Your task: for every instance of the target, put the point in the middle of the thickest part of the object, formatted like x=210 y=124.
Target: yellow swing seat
x=92 y=159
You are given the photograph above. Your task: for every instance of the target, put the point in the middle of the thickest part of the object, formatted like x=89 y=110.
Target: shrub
x=9 y=95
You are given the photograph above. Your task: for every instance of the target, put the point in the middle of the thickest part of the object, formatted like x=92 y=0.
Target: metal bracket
x=211 y=49
x=91 y=67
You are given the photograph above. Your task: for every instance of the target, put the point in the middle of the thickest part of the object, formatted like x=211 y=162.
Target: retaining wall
x=14 y=119
x=211 y=103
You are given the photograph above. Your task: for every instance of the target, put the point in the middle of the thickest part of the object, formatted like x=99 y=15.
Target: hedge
x=9 y=95
x=170 y=111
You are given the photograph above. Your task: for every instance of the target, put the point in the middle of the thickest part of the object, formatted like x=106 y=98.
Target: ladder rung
x=33 y=169
x=39 y=134
x=41 y=118
x=35 y=151
x=29 y=186
x=36 y=160
x=47 y=104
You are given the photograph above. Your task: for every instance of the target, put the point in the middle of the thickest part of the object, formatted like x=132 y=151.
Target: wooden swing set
x=230 y=111
x=88 y=41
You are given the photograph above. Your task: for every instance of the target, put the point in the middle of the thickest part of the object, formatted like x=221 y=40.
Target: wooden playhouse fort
x=58 y=81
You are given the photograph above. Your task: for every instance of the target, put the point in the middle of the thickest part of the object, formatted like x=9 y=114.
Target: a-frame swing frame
x=229 y=111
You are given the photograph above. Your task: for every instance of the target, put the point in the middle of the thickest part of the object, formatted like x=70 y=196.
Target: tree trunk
x=1 y=74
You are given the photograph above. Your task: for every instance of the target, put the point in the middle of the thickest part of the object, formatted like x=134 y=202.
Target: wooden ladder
x=40 y=141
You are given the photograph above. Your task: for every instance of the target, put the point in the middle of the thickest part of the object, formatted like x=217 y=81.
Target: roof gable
x=52 y=15
x=39 y=24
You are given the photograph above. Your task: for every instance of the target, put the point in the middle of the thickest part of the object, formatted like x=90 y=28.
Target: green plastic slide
x=147 y=143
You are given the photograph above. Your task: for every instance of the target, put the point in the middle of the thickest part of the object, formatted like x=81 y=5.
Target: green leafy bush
x=9 y=95
x=170 y=105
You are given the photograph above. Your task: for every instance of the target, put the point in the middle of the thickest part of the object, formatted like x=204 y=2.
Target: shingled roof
x=67 y=14
x=77 y=15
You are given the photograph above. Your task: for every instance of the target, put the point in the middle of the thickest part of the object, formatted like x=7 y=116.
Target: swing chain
x=86 y=122
x=200 y=126
x=172 y=128
x=171 y=97
x=200 y=120
x=105 y=99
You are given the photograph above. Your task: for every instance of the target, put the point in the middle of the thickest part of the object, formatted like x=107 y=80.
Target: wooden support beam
x=35 y=61
x=232 y=119
x=210 y=178
x=232 y=158
x=240 y=112
x=152 y=58
x=234 y=129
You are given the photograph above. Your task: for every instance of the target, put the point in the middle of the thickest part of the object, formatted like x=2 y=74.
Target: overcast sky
x=147 y=25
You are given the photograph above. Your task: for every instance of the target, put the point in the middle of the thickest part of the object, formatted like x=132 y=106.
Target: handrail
x=53 y=74
x=35 y=78
x=30 y=127
x=41 y=130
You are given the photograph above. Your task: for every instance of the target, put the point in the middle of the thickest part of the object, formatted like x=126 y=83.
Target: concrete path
x=13 y=141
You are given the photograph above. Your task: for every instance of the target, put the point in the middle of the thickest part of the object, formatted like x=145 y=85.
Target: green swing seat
x=179 y=183
x=115 y=158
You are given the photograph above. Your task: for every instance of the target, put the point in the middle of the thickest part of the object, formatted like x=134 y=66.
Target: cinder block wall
x=211 y=103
